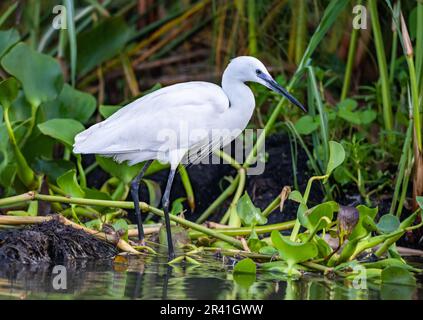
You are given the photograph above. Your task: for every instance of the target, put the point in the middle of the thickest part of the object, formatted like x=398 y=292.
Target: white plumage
x=169 y=122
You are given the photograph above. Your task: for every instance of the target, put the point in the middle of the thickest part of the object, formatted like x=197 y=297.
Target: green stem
x=297 y=225
x=238 y=194
x=272 y=206
x=402 y=165
x=383 y=69
x=350 y=61
x=187 y=186
x=8 y=12
x=216 y=203
x=393 y=56
x=119 y=204
x=82 y=178
x=415 y=100
x=243 y=231
x=252 y=37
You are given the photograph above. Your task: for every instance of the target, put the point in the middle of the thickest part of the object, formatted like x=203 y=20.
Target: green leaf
x=63 y=130
x=311 y=217
x=40 y=75
x=248 y=213
x=293 y=252
x=296 y=196
x=177 y=206
x=336 y=156
x=306 y=125
x=398 y=275
x=101 y=43
x=360 y=230
x=121 y=171
x=420 y=202
x=53 y=168
x=107 y=111
x=388 y=223
x=71 y=103
x=9 y=89
x=268 y=250
x=154 y=192
x=367 y=116
x=7 y=39
x=245 y=266
x=69 y=184
x=120 y=225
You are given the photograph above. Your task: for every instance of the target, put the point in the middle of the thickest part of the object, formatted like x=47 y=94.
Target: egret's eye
x=258 y=72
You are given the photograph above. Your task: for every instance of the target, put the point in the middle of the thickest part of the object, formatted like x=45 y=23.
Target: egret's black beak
x=273 y=85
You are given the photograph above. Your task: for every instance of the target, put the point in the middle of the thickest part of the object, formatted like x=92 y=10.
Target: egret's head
x=250 y=69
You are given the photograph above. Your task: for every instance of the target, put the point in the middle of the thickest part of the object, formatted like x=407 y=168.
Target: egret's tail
x=84 y=142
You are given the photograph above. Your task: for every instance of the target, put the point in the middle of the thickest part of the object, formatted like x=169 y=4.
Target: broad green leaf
x=306 y=125
x=121 y=226
x=99 y=44
x=420 y=202
x=53 y=168
x=255 y=244
x=20 y=109
x=293 y=252
x=347 y=104
x=177 y=206
x=154 y=192
x=245 y=266
x=398 y=275
x=367 y=116
x=69 y=184
x=360 y=230
x=121 y=171
x=311 y=217
x=9 y=89
x=40 y=75
x=388 y=223
x=63 y=130
x=390 y=262
x=71 y=103
x=269 y=250
x=296 y=196
x=7 y=39
x=349 y=116
x=249 y=214
x=107 y=111
x=274 y=266
x=341 y=175
x=336 y=156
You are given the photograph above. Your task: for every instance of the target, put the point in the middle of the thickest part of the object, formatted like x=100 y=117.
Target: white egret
x=133 y=133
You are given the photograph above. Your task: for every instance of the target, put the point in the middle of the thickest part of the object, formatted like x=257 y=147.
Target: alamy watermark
x=59 y=279
x=59 y=21
x=360 y=19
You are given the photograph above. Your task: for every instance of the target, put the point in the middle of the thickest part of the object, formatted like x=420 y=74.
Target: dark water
x=151 y=278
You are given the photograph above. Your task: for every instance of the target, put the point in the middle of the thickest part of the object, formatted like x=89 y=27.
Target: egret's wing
x=142 y=125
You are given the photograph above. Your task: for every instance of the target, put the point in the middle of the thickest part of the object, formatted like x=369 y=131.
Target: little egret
x=135 y=132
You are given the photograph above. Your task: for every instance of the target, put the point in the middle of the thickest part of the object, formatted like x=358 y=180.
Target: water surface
x=151 y=278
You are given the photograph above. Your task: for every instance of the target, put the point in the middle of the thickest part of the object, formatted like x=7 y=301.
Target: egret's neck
x=240 y=96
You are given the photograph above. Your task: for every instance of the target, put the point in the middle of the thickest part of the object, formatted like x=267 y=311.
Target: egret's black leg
x=135 y=186
x=165 y=202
